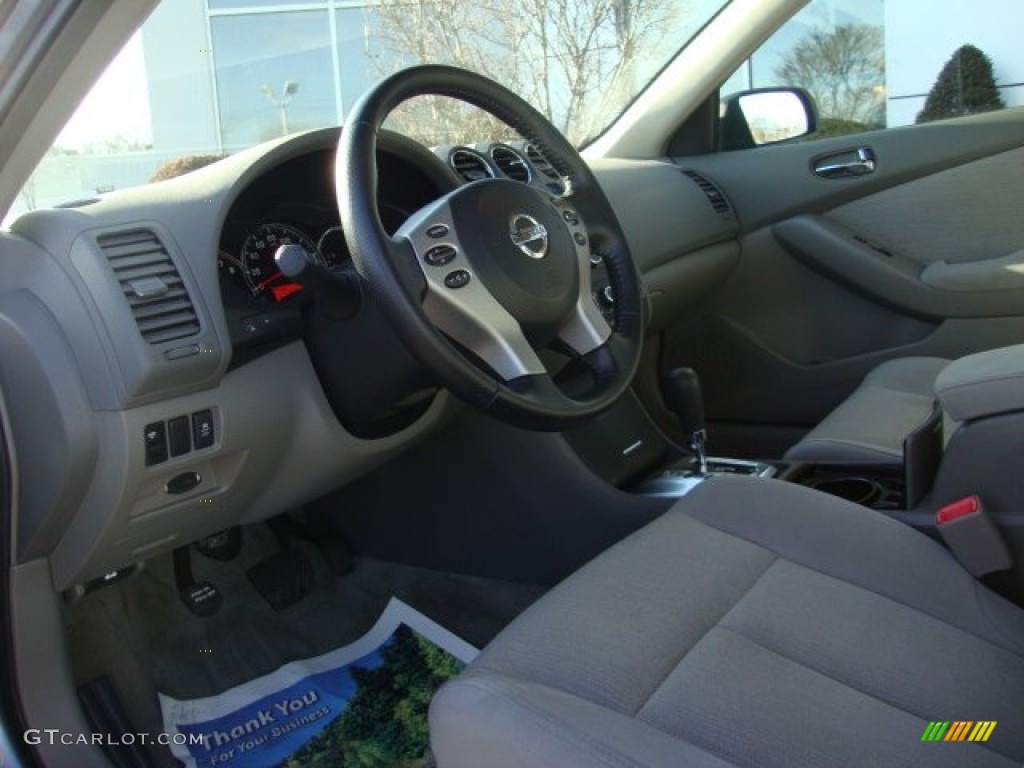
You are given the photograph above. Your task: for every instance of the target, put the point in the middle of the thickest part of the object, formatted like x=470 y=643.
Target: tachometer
x=258 y=265
x=332 y=247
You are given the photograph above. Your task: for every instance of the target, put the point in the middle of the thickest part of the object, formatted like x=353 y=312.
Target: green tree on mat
x=385 y=722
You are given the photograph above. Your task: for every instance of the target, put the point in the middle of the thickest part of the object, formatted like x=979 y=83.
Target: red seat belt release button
x=957 y=510
x=972 y=536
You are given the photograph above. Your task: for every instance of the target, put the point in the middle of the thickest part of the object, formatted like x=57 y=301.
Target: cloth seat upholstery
x=869 y=426
x=757 y=623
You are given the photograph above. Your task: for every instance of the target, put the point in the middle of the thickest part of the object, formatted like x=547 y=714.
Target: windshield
x=207 y=78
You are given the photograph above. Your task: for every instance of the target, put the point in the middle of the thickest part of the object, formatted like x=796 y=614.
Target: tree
x=569 y=58
x=843 y=69
x=180 y=165
x=116 y=144
x=414 y=31
x=965 y=86
x=837 y=126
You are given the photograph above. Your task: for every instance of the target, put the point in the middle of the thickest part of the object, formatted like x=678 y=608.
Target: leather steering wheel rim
x=398 y=271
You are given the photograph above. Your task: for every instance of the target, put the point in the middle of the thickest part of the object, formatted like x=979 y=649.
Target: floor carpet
x=139 y=634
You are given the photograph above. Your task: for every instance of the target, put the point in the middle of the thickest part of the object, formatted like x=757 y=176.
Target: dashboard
x=170 y=383
x=295 y=204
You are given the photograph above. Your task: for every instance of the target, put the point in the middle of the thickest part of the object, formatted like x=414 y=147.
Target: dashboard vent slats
x=151 y=284
x=469 y=165
x=714 y=194
x=541 y=163
x=511 y=163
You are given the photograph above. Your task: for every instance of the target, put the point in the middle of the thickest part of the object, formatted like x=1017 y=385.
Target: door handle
x=848 y=164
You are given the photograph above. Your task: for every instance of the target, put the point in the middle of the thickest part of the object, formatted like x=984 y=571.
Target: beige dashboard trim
x=278 y=446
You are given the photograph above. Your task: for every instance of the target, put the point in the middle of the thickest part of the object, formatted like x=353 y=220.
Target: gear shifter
x=684 y=397
x=681 y=389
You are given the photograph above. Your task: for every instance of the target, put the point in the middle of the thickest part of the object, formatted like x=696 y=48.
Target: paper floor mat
x=361 y=705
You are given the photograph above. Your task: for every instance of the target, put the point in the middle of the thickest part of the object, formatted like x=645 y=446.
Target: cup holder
x=859 y=490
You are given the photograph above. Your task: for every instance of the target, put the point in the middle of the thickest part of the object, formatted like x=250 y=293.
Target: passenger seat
x=869 y=427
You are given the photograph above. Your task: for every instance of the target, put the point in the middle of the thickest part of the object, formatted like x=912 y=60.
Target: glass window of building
x=273 y=73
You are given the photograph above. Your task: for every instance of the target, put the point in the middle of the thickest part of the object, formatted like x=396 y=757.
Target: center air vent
x=713 y=193
x=541 y=163
x=151 y=284
x=470 y=165
x=511 y=163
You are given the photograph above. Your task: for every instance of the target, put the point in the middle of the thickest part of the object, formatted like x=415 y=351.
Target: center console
x=983 y=395
x=970 y=445
x=624 y=446
x=679 y=479
x=892 y=487
x=968 y=450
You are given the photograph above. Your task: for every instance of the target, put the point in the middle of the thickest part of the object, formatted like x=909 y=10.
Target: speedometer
x=258 y=265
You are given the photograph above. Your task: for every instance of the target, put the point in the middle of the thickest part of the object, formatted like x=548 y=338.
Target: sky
x=117 y=106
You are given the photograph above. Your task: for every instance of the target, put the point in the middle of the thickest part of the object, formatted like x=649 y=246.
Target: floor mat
x=139 y=633
x=368 y=699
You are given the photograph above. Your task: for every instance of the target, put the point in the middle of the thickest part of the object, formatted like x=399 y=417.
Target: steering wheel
x=479 y=280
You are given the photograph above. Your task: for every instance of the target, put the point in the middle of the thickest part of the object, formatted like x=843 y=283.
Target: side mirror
x=765 y=116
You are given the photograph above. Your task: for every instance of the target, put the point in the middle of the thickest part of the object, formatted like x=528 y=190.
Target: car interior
x=711 y=448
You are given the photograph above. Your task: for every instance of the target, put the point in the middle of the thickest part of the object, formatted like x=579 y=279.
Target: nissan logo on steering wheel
x=529 y=235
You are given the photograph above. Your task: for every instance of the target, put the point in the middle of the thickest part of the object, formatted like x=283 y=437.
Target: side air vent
x=511 y=163
x=151 y=284
x=541 y=163
x=470 y=165
x=714 y=195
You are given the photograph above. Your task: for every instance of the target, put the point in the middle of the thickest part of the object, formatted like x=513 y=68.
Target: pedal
x=283 y=579
x=223 y=545
x=201 y=597
x=338 y=554
x=322 y=537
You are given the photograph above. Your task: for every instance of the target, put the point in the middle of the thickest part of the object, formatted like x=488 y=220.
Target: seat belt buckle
x=972 y=537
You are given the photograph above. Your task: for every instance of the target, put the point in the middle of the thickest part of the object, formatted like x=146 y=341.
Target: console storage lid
x=983 y=384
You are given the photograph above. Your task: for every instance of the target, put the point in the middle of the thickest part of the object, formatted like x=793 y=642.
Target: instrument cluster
x=253 y=268
x=247 y=254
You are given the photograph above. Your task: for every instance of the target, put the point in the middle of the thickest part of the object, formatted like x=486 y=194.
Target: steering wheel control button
x=202 y=429
x=571 y=217
x=183 y=483
x=439 y=255
x=437 y=231
x=580 y=238
x=179 y=435
x=155 y=438
x=457 y=279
